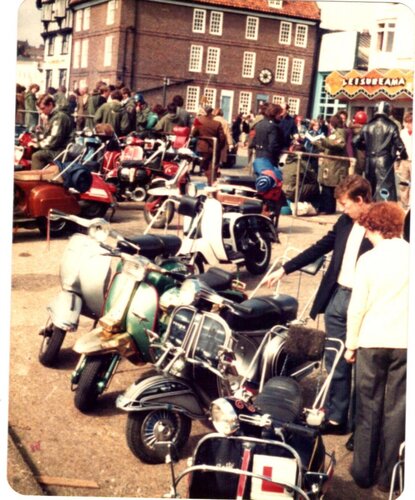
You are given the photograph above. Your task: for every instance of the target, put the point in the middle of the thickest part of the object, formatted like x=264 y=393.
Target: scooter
x=140 y=297
x=269 y=445
x=86 y=272
x=205 y=355
x=215 y=236
x=158 y=212
x=74 y=190
x=23 y=151
x=140 y=161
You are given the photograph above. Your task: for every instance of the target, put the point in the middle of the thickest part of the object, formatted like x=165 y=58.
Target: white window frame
x=111 y=8
x=294 y=105
x=278 y=99
x=84 y=53
x=245 y=102
x=76 y=60
x=86 y=24
x=278 y=71
x=297 y=68
x=199 y=21
x=108 y=42
x=219 y=23
x=252 y=28
x=210 y=95
x=286 y=29
x=78 y=20
x=212 y=60
x=275 y=4
x=385 y=32
x=192 y=98
x=301 y=39
x=196 y=58
x=248 y=64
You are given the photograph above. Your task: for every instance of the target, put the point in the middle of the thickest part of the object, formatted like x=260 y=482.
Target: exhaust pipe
x=139 y=194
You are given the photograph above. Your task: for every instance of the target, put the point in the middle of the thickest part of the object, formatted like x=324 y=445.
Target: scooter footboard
x=159 y=391
x=65 y=310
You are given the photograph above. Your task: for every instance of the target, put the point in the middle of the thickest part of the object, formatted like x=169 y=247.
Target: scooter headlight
x=189 y=292
x=224 y=417
x=99 y=229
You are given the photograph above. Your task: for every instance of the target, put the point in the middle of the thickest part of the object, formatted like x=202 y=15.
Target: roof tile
x=293 y=8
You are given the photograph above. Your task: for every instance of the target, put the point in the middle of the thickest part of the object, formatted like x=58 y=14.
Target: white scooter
x=214 y=236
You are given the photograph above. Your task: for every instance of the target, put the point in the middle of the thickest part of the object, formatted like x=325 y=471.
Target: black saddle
x=239 y=180
x=281 y=398
x=265 y=312
x=217 y=279
x=152 y=246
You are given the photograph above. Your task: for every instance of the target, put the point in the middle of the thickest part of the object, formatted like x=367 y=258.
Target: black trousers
x=335 y=319
x=380 y=413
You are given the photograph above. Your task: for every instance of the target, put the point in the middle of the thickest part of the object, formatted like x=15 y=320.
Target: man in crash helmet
x=380 y=140
x=359 y=119
x=142 y=111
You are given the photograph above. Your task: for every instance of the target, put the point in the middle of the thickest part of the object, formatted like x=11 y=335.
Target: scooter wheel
x=51 y=344
x=57 y=227
x=93 y=209
x=87 y=391
x=151 y=206
x=146 y=428
x=257 y=257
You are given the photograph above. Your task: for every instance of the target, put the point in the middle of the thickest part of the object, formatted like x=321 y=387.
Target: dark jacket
x=110 y=112
x=381 y=141
x=268 y=140
x=335 y=240
x=331 y=171
x=288 y=129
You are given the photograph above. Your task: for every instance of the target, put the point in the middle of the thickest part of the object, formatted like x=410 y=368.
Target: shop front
x=362 y=90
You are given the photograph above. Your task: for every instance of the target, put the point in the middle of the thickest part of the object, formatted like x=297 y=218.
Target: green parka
x=332 y=171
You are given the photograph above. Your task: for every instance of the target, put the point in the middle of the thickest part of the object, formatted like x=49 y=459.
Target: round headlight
x=99 y=229
x=224 y=417
x=188 y=292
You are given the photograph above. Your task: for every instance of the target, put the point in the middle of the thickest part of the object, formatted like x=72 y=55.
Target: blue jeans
x=335 y=318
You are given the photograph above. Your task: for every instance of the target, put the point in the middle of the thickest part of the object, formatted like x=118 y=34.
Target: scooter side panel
x=94 y=277
x=65 y=310
x=142 y=315
x=161 y=391
x=46 y=196
x=211 y=227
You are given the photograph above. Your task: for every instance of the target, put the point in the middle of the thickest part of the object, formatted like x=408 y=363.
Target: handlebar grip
x=301 y=430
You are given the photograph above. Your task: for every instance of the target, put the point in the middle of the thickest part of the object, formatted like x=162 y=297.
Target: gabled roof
x=293 y=8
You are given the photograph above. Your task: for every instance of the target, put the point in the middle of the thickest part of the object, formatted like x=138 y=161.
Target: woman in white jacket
x=377 y=323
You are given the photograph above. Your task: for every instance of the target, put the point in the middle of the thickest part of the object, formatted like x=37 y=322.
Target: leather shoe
x=350 y=443
x=337 y=429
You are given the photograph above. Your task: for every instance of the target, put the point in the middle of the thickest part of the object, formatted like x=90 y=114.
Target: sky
x=336 y=15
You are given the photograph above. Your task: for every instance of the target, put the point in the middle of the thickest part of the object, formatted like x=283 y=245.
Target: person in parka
x=57 y=133
x=169 y=120
x=331 y=172
x=110 y=112
x=383 y=145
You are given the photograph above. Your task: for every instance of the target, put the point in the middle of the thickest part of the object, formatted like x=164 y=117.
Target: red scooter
x=23 y=151
x=143 y=158
x=38 y=191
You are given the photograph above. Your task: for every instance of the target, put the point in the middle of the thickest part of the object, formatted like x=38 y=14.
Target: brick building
x=234 y=52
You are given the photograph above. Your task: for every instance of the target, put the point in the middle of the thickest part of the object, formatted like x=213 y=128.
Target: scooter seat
x=251 y=207
x=217 y=279
x=152 y=246
x=132 y=163
x=242 y=180
x=265 y=312
x=281 y=398
x=46 y=174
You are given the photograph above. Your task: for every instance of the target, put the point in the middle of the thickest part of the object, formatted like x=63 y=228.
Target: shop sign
x=392 y=84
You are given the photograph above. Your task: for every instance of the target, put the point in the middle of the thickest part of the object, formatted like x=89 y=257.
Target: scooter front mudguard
x=65 y=310
x=161 y=391
x=255 y=222
x=97 y=341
